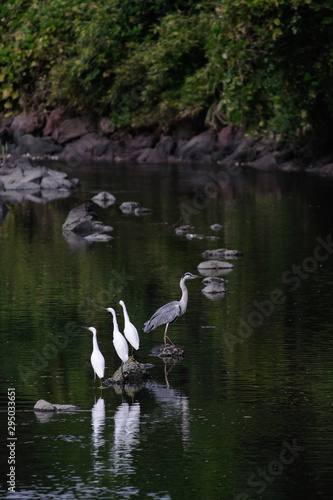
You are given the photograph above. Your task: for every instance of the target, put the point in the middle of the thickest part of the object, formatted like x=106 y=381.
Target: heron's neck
x=184 y=297
x=115 y=325
x=125 y=314
x=95 y=344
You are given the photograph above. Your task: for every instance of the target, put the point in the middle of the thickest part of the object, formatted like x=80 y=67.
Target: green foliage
x=158 y=78
x=264 y=64
x=272 y=61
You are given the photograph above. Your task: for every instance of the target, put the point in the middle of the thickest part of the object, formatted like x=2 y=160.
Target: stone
x=214 y=264
x=265 y=162
x=140 y=211
x=133 y=373
x=214 y=285
x=128 y=207
x=28 y=177
x=56 y=117
x=191 y=236
x=45 y=406
x=185 y=229
x=83 y=221
x=104 y=199
x=73 y=128
x=51 y=182
x=23 y=179
x=216 y=227
x=80 y=150
x=221 y=253
x=166 y=146
x=199 y=147
x=150 y=155
x=98 y=236
x=244 y=152
x=37 y=146
x=26 y=123
x=103 y=150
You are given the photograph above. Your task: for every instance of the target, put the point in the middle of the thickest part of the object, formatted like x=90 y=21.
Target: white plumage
x=130 y=332
x=119 y=340
x=96 y=358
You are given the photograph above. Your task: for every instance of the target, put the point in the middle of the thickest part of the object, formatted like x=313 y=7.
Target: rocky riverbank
x=88 y=138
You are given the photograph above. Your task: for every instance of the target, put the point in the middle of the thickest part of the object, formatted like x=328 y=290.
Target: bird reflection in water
x=98 y=422
x=126 y=437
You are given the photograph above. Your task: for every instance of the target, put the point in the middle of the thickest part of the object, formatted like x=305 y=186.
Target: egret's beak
x=105 y=308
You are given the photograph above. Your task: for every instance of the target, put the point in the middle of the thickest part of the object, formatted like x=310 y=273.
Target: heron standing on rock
x=170 y=312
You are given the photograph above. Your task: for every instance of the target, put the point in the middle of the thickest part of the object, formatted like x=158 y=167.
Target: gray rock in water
x=191 y=236
x=83 y=221
x=43 y=405
x=221 y=253
x=133 y=373
x=181 y=230
x=104 y=199
x=139 y=211
x=128 y=207
x=214 y=285
x=216 y=227
x=27 y=177
x=214 y=264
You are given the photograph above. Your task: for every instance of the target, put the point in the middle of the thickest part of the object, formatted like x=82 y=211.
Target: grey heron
x=119 y=340
x=130 y=332
x=97 y=359
x=170 y=312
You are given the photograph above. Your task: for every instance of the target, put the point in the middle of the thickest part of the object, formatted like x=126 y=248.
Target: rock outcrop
x=83 y=222
x=25 y=176
x=80 y=139
x=45 y=406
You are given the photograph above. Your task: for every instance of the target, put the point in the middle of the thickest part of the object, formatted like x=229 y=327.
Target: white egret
x=170 y=312
x=96 y=358
x=130 y=332
x=119 y=340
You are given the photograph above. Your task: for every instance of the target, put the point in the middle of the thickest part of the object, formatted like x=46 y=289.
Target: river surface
x=248 y=413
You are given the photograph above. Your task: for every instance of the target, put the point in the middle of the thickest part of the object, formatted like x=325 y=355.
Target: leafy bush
x=264 y=64
x=272 y=62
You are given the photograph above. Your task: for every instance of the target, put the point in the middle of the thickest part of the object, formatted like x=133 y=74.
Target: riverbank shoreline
x=75 y=140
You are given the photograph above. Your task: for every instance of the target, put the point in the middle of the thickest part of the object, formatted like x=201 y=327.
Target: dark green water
x=247 y=414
